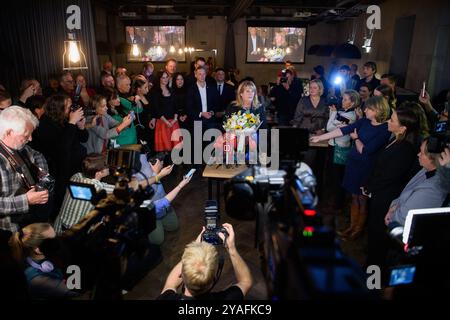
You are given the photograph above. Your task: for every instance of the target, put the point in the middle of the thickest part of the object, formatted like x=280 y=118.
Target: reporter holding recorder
x=199 y=269
x=102 y=127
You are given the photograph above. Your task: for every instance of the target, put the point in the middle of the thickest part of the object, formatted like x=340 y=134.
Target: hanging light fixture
x=135 y=51
x=73 y=57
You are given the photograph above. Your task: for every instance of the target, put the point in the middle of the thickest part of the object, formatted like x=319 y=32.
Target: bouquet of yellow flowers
x=275 y=54
x=241 y=121
x=239 y=126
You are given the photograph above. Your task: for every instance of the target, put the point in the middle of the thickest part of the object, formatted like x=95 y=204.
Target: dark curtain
x=32 y=37
x=230 y=52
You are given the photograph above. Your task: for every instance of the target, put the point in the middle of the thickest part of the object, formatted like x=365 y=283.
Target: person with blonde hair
x=45 y=281
x=199 y=270
x=369 y=135
x=247 y=102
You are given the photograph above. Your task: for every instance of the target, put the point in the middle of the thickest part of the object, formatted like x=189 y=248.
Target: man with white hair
x=20 y=168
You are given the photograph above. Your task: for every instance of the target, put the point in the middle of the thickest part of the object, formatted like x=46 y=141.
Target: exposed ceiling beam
x=238 y=9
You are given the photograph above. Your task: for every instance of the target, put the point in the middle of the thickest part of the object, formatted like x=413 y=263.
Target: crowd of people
x=373 y=142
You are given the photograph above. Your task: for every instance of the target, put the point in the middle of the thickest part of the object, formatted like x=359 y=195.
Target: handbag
x=340 y=154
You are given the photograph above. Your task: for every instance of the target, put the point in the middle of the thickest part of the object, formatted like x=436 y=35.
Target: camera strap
x=21 y=164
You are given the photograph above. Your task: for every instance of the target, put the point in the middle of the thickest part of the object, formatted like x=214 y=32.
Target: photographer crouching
x=199 y=270
x=23 y=171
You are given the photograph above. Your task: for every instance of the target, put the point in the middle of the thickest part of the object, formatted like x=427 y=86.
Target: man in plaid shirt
x=16 y=191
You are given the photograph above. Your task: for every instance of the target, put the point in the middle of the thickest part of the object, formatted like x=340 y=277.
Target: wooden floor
x=189 y=207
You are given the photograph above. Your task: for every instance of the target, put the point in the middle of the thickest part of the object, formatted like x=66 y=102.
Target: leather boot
x=354 y=213
x=359 y=227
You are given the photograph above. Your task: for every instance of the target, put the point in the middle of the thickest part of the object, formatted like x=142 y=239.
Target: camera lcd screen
x=441 y=127
x=81 y=191
x=210 y=222
x=402 y=275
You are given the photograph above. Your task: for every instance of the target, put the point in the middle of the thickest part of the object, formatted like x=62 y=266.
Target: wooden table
x=217 y=173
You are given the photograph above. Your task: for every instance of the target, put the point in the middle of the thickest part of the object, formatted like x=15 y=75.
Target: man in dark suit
x=255 y=45
x=201 y=105
x=226 y=94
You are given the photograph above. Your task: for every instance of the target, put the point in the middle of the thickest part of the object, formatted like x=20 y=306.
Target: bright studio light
x=338 y=80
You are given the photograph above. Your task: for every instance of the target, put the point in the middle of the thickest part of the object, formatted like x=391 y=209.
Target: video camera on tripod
x=298 y=251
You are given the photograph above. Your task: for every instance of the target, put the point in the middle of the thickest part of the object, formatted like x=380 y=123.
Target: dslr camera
x=44 y=181
x=212 y=217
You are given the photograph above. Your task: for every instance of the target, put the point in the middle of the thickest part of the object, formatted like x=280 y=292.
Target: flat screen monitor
x=155 y=43
x=424 y=225
x=275 y=44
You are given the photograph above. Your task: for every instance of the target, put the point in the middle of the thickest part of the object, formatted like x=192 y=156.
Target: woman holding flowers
x=247 y=102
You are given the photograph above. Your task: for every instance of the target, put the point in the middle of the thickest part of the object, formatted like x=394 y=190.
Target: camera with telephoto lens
x=212 y=217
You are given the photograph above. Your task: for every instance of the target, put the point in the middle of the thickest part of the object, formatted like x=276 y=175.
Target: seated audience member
x=199 y=268
x=5 y=100
x=20 y=165
x=102 y=127
x=36 y=105
x=422 y=191
x=45 y=281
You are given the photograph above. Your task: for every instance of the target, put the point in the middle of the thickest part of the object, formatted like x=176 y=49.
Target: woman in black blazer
x=393 y=169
